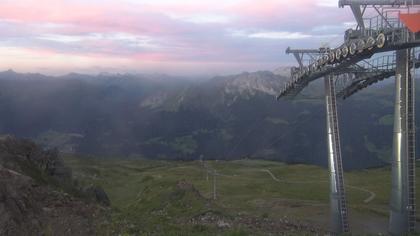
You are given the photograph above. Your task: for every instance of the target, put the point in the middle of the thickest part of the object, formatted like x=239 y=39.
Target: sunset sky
x=181 y=37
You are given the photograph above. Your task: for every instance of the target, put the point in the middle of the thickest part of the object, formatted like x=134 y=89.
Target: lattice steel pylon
x=344 y=65
x=338 y=203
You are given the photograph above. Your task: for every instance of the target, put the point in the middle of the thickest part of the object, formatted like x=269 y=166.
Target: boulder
x=98 y=194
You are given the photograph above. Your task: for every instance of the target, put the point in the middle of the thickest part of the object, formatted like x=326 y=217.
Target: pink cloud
x=280 y=13
x=54 y=11
x=154 y=19
x=177 y=40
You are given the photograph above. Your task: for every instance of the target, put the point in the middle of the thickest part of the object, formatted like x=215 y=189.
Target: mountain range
x=164 y=117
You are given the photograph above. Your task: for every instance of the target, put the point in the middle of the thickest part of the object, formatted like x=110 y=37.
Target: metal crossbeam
x=387 y=64
x=382 y=33
x=362 y=74
x=342 y=3
x=305 y=54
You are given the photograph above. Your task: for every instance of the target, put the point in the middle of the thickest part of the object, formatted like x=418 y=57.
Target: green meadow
x=176 y=198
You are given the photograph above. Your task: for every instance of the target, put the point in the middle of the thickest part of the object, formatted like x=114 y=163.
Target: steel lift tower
x=349 y=80
x=346 y=82
x=338 y=205
x=394 y=29
x=402 y=206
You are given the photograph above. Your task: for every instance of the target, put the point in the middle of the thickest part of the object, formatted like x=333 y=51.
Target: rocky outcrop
x=249 y=84
x=26 y=157
x=35 y=197
x=28 y=208
x=282 y=226
x=97 y=193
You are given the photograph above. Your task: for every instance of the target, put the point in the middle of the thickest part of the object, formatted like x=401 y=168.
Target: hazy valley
x=163 y=117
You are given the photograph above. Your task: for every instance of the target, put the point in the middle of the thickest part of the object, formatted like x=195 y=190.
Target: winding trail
x=370 y=198
x=372 y=195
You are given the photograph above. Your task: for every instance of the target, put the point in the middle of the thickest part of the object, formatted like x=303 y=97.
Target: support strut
x=339 y=214
x=402 y=217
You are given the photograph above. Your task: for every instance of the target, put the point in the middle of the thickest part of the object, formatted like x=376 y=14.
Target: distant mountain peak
x=9 y=71
x=249 y=84
x=283 y=71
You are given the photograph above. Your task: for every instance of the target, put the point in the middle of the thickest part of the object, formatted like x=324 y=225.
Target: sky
x=179 y=37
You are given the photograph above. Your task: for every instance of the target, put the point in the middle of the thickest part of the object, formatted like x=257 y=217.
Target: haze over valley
x=164 y=117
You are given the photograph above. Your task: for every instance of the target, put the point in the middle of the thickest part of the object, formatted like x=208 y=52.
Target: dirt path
x=372 y=195
x=370 y=198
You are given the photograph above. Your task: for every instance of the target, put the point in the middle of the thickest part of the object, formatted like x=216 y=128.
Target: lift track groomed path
x=371 y=196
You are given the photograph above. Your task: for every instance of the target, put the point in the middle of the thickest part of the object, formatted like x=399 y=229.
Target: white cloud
x=131 y=40
x=185 y=2
x=282 y=35
x=237 y=33
x=327 y=3
x=202 y=18
x=62 y=38
x=350 y=24
x=279 y=35
x=338 y=27
x=327 y=28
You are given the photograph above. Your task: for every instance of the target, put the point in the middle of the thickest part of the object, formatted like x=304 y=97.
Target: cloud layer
x=164 y=36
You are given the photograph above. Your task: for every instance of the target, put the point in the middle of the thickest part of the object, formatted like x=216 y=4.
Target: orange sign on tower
x=412 y=21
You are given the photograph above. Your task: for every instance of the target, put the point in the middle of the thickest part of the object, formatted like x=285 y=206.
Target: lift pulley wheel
x=319 y=62
x=338 y=54
x=344 y=51
x=324 y=59
x=370 y=43
x=380 y=40
x=361 y=45
x=353 y=48
x=331 y=56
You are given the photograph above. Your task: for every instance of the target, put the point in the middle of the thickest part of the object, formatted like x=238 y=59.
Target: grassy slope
x=144 y=198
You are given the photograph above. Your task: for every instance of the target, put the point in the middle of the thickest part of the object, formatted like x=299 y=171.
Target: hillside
x=163 y=117
x=45 y=194
x=39 y=197
x=252 y=197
